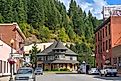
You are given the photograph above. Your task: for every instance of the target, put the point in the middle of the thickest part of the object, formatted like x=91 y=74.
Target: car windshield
x=24 y=71
x=38 y=69
x=109 y=68
x=93 y=68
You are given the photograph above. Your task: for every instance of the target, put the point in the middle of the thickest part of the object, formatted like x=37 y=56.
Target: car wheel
x=100 y=74
x=105 y=74
x=115 y=75
x=34 y=79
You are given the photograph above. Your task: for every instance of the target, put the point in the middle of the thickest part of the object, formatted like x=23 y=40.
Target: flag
x=21 y=50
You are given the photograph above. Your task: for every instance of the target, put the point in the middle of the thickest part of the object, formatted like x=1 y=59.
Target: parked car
x=25 y=74
x=93 y=71
x=83 y=68
x=108 y=70
x=38 y=71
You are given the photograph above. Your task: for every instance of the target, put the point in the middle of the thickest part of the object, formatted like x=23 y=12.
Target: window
x=109 y=43
x=71 y=58
x=103 y=32
x=106 y=44
x=0 y=66
x=106 y=30
x=98 y=36
x=103 y=46
x=57 y=50
x=109 y=30
x=7 y=67
x=56 y=56
x=47 y=57
x=4 y=66
x=40 y=59
x=70 y=65
x=98 y=48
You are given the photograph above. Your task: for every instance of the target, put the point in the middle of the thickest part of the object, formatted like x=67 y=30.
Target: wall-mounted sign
x=111 y=10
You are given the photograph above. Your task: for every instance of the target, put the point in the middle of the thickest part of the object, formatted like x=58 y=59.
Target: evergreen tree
x=6 y=10
x=35 y=13
x=33 y=57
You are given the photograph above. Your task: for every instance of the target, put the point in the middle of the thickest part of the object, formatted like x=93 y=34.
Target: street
x=74 y=77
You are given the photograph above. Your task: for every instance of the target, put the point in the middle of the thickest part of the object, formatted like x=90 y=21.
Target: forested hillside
x=49 y=20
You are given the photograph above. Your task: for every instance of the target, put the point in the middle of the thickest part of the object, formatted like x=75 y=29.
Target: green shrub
x=55 y=69
x=46 y=69
x=64 y=69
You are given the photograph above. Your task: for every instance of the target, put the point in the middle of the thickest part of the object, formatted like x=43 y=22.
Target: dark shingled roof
x=57 y=45
x=49 y=49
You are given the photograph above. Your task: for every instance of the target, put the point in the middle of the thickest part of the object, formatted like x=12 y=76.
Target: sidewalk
x=6 y=78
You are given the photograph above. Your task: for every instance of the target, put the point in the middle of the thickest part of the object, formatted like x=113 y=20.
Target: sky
x=95 y=6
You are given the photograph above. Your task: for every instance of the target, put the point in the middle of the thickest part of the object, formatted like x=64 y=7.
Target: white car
x=25 y=74
x=93 y=71
x=38 y=71
x=108 y=70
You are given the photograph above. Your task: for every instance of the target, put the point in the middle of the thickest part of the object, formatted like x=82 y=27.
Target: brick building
x=108 y=41
x=12 y=31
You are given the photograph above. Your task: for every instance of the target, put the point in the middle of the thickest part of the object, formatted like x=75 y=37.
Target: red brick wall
x=114 y=36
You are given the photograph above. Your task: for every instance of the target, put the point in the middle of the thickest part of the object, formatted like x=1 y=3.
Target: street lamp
x=107 y=60
x=11 y=60
x=93 y=55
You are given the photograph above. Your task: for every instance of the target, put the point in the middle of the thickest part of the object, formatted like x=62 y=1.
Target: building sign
x=112 y=10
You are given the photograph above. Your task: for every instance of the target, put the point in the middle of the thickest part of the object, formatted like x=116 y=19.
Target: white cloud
x=95 y=7
x=66 y=3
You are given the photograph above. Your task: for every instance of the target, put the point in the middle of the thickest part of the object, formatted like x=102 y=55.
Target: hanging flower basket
x=11 y=61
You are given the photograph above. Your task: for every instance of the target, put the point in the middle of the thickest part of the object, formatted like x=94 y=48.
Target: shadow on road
x=118 y=78
x=66 y=73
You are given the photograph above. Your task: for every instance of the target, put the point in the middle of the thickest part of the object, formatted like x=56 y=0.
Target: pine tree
x=6 y=10
x=33 y=57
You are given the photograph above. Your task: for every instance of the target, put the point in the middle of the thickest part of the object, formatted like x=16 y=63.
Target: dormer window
x=57 y=50
x=56 y=56
x=71 y=58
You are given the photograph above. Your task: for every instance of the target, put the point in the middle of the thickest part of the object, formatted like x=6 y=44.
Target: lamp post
x=107 y=60
x=93 y=55
x=11 y=60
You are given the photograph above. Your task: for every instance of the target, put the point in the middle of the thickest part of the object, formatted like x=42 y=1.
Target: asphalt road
x=74 y=77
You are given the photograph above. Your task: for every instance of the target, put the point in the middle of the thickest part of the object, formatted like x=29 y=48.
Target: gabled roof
x=49 y=49
x=17 y=28
x=57 y=45
x=60 y=45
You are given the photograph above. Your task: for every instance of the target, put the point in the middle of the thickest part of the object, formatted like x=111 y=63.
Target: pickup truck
x=109 y=70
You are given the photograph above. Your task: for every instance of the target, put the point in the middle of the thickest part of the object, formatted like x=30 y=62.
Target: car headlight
x=16 y=78
x=106 y=70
